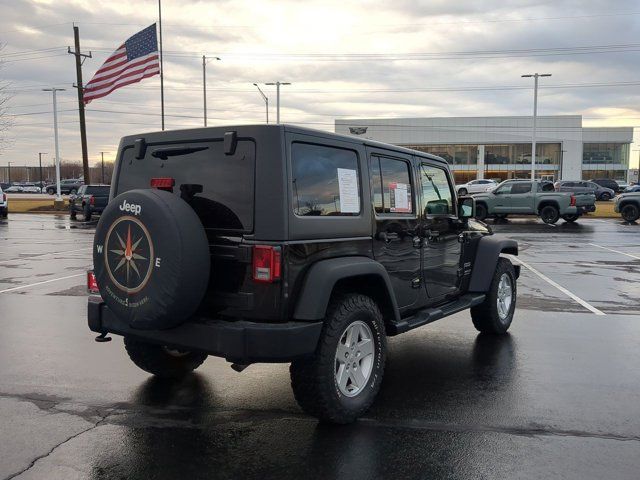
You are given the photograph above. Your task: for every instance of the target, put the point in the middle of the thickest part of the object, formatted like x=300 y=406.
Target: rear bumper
x=238 y=341
x=586 y=208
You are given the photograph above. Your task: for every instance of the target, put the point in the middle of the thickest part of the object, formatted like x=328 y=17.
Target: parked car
x=622 y=186
x=524 y=197
x=30 y=188
x=4 y=204
x=68 y=186
x=209 y=249
x=476 y=186
x=632 y=188
x=584 y=186
x=14 y=188
x=628 y=205
x=90 y=200
x=4 y=185
x=607 y=182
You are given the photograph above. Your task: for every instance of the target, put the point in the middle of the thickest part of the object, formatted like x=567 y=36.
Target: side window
x=325 y=180
x=437 y=197
x=547 y=187
x=521 y=187
x=394 y=187
x=504 y=188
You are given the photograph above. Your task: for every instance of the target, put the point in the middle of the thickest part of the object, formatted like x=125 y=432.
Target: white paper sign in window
x=349 y=193
x=400 y=197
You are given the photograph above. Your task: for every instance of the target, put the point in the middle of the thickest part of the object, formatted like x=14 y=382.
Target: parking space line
x=576 y=298
x=28 y=256
x=21 y=287
x=615 y=251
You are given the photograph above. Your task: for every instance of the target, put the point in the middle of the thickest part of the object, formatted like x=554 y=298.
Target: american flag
x=135 y=59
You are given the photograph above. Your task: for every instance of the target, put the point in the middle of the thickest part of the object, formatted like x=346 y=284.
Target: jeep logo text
x=131 y=207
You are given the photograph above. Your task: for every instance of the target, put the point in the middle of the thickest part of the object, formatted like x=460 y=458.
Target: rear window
x=226 y=199
x=96 y=190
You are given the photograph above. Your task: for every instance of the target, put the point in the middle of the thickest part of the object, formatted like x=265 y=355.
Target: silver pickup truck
x=526 y=197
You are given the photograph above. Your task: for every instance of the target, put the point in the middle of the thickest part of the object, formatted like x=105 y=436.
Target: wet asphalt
x=559 y=397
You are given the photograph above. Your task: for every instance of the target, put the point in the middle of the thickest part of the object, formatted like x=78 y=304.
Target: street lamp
x=535 y=114
x=55 y=134
x=205 y=59
x=277 y=84
x=266 y=100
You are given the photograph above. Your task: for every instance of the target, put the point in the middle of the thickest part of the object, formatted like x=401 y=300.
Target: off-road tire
x=159 y=360
x=549 y=214
x=605 y=197
x=87 y=213
x=313 y=379
x=630 y=212
x=481 y=211
x=485 y=316
x=462 y=192
x=571 y=218
x=51 y=191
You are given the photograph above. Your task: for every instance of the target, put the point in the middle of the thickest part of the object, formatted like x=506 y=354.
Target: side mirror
x=466 y=207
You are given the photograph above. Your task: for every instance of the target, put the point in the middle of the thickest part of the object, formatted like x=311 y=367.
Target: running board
x=429 y=315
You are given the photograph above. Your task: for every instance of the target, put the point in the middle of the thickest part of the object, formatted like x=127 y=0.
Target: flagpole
x=161 y=65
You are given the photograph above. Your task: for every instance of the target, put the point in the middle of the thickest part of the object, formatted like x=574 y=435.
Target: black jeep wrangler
x=274 y=243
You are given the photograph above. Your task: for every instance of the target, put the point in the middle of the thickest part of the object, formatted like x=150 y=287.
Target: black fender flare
x=487 y=253
x=322 y=276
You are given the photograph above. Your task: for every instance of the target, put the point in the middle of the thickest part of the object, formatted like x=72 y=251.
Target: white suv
x=476 y=186
x=4 y=204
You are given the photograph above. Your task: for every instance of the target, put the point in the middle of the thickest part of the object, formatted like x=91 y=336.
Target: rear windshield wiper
x=164 y=153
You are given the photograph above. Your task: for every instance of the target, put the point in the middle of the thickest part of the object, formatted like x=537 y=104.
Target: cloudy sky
x=400 y=58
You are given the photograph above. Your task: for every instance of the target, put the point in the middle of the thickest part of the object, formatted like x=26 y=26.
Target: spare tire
x=151 y=259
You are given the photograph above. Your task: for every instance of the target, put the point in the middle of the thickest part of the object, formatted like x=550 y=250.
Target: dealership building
x=500 y=147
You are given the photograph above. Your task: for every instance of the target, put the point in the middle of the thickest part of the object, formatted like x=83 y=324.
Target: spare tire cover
x=151 y=259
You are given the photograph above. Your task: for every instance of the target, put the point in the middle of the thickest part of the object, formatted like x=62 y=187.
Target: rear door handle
x=388 y=236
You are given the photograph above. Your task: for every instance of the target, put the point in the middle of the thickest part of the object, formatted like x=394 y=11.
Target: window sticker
x=400 y=197
x=348 y=188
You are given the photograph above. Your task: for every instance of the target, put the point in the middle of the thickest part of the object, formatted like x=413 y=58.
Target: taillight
x=266 y=263
x=92 y=200
x=92 y=283
x=164 y=183
x=573 y=201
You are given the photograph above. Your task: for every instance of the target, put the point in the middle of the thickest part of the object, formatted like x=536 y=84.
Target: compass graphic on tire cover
x=128 y=254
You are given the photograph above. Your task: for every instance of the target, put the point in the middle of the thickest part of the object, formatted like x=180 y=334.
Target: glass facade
x=605 y=160
x=502 y=161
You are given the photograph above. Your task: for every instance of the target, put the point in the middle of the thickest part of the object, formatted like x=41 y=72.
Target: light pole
x=102 y=155
x=55 y=135
x=204 y=83
x=535 y=115
x=266 y=100
x=277 y=84
x=40 y=162
x=9 y=172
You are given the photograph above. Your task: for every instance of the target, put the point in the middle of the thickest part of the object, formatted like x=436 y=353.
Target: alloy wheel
x=354 y=359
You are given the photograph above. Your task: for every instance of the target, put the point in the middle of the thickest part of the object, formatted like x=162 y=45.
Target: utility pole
x=161 y=64
x=9 y=173
x=102 y=154
x=55 y=135
x=40 y=162
x=535 y=117
x=266 y=100
x=277 y=84
x=83 y=125
x=204 y=83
